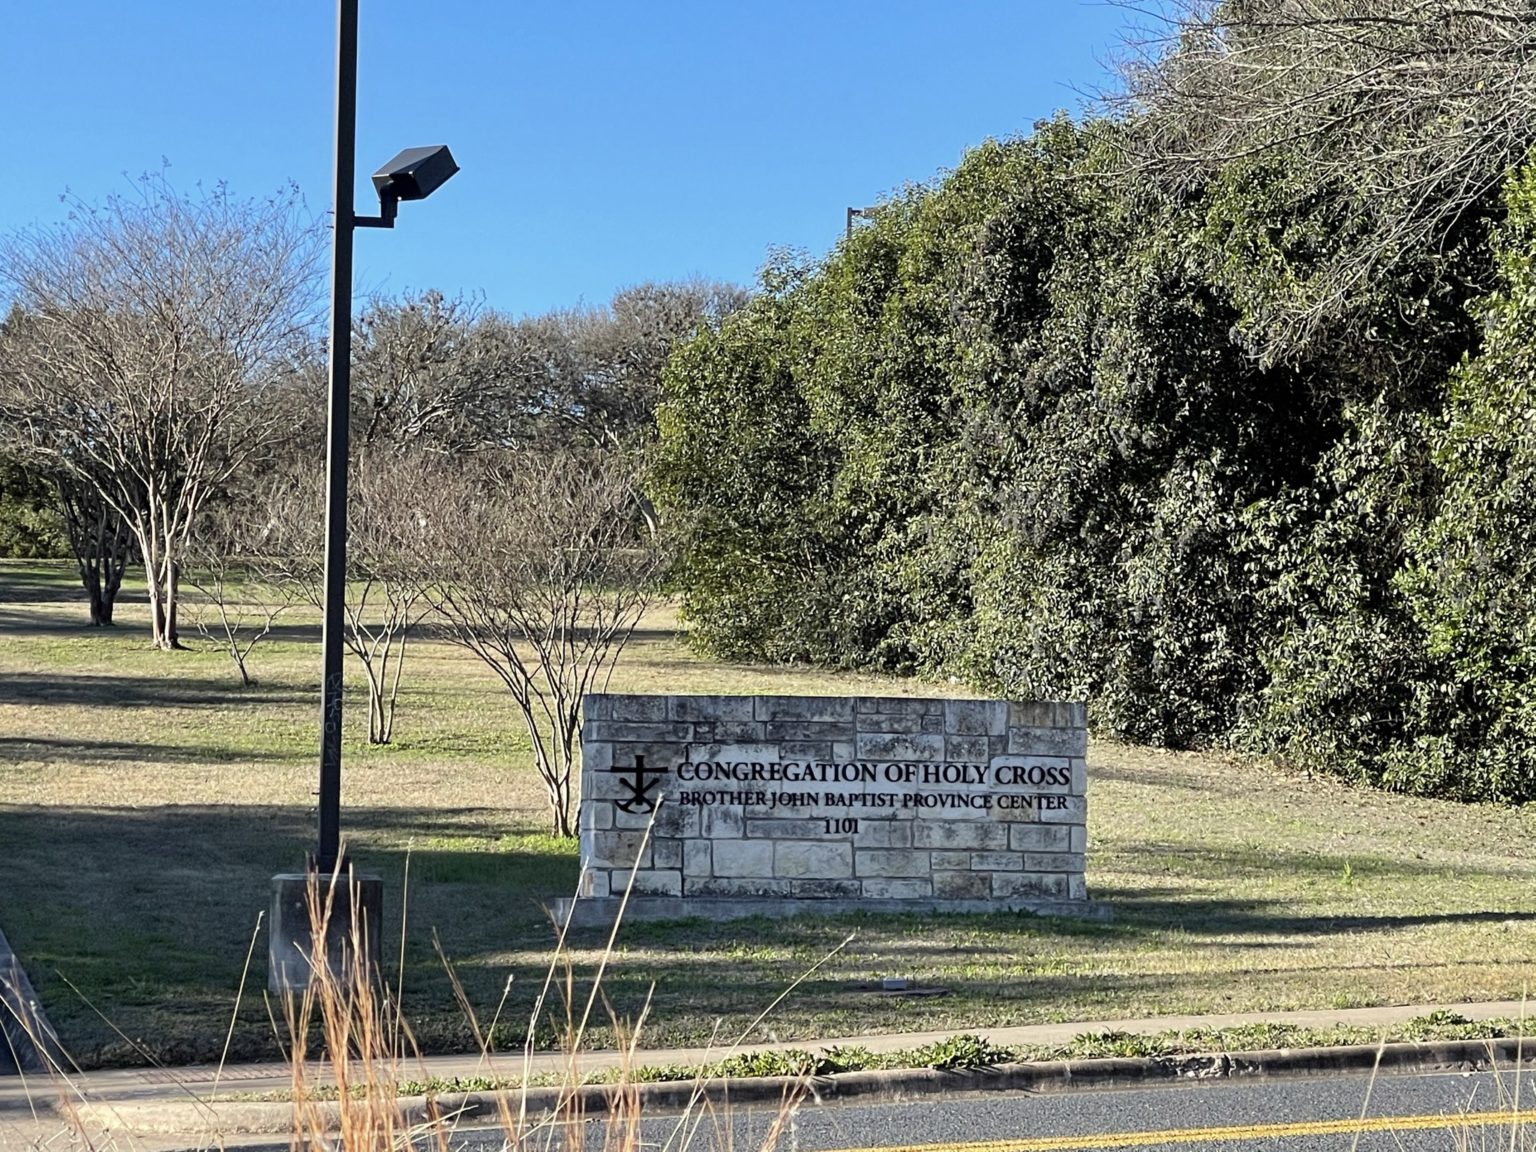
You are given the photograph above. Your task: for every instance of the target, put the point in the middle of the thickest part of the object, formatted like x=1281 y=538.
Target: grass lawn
x=146 y=800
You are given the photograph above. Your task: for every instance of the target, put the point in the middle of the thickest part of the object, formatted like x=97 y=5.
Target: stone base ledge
x=599 y=912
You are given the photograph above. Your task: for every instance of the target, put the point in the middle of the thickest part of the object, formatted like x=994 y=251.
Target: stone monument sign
x=772 y=805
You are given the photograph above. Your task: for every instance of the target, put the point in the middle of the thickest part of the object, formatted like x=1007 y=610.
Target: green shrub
x=1030 y=428
x=31 y=526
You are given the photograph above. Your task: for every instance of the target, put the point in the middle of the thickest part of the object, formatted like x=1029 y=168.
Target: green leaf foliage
x=1026 y=428
x=1470 y=583
x=31 y=527
x=1002 y=433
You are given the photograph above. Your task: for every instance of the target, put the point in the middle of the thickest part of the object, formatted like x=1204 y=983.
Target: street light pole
x=413 y=174
x=337 y=429
x=353 y=907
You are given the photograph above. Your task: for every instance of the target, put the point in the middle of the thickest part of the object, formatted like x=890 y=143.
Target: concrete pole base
x=357 y=900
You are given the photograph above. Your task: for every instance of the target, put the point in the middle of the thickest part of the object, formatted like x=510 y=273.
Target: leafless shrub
x=238 y=606
x=392 y=499
x=544 y=572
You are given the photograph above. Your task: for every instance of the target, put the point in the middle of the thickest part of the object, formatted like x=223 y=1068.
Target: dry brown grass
x=145 y=799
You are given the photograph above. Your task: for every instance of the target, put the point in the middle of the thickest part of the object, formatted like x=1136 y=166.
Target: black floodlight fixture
x=414 y=174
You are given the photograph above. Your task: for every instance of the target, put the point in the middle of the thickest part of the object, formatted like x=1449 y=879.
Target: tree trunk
x=159 y=637
x=89 y=567
x=164 y=580
x=375 y=702
x=375 y=712
x=101 y=606
x=156 y=589
x=557 y=792
x=114 y=564
x=162 y=614
x=394 y=687
x=173 y=604
x=100 y=541
x=563 y=827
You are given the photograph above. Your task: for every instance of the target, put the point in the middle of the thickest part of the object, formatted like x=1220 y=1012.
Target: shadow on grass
x=74 y=623
x=15 y=748
x=1135 y=917
x=1217 y=863
x=289 y=632
x=149 y=913
x=38 y=587
x=1165 y=777
x=1213 y=917
x=129 y=691
x=433 y=630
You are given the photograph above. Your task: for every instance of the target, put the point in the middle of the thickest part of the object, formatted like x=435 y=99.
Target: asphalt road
x=1400 y=1113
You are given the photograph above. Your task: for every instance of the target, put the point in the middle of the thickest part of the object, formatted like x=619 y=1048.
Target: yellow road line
x=1238 y=1132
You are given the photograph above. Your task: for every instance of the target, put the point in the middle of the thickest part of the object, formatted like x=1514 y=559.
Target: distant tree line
x=1215 y=411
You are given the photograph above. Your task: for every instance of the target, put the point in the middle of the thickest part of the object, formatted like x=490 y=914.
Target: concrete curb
x=480 y=1108
x=22 y=1021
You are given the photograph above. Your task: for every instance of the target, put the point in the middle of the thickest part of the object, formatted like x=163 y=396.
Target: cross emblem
x=639 y=782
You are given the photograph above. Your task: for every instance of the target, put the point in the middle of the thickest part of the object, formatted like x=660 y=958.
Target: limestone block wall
x=970 y=803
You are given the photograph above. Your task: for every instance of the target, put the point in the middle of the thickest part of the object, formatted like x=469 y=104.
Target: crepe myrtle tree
x=392 y=499
x=545 y=567
x=149 y=352
x=48 y=514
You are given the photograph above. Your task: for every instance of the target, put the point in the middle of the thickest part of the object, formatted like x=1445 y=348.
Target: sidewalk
x=123 y=1103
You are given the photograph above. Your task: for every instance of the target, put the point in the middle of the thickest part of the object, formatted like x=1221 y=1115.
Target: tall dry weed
x=350 y=1050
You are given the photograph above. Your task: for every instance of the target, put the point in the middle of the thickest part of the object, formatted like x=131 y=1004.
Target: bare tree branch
x=1409 y=114
x=149 y=350
x=237 y=608
x=393 y=499
x=544 y=572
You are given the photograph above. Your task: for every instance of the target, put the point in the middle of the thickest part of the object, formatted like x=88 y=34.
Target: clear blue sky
x=601 y=143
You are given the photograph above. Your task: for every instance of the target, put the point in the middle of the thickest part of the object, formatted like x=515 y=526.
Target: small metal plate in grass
x=900 y=986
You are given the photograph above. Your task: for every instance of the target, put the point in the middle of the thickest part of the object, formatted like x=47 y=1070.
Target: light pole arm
x=388 y=206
